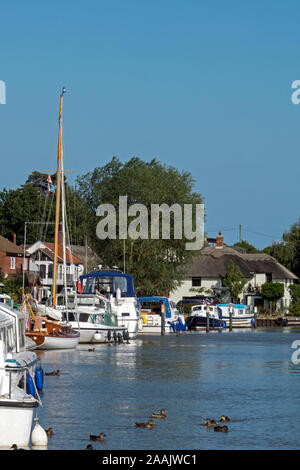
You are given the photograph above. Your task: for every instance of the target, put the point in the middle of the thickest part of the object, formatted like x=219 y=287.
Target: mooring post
x=255 y=317
x=163 y=320
x=207 y=318
x=230 y=317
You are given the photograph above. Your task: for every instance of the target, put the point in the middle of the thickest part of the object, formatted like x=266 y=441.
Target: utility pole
x=240 y=233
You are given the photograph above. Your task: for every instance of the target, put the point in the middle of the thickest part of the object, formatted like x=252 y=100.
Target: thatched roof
x=213 y=263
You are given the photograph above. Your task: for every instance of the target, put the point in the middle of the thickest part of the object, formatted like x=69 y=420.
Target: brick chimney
x=14 y=238
x=219 y=241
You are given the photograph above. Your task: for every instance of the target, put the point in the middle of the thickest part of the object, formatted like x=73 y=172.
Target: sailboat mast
x=58 y=186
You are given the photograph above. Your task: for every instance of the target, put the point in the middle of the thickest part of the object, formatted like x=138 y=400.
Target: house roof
x=213 y=263
x=84 y=253
x=49 y=248
x=9 y=247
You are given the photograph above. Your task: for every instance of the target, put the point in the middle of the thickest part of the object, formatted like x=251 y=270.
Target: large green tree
x=234 y=280
x=272 y=291
x=157 y=265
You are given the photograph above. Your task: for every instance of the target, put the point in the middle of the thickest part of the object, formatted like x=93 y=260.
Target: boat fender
x=109 y=335
x=30 y=386
x=39 y=378
x=125 y=335
x=252 y=321
x=224 y=324
x=39 y=436
x=120 y=338
x=144 y=319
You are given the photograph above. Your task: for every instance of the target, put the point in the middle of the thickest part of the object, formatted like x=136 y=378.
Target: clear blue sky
x=201 y=85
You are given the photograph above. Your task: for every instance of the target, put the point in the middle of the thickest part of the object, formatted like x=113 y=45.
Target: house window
x=12 y=262
x=196 y=281
x=268 y=277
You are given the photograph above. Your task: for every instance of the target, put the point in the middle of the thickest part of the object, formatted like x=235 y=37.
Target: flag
x=49 y=181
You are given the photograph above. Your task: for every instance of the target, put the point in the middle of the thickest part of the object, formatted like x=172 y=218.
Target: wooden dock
x=278 y=321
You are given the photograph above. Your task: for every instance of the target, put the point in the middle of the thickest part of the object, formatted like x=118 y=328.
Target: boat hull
x=55 y=342
x=19 y=416
x=197 y=322
x=239 y=322
x=96 y=334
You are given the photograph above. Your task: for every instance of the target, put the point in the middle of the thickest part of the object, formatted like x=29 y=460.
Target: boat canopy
x=106 y=283
x=147 y=302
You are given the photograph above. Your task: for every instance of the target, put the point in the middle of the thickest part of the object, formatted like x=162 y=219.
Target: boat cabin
x=156 y=305
x=107 y=283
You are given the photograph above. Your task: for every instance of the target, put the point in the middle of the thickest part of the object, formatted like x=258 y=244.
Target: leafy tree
x=234 y=280
x=156 y=264
x=294 y=307
x=284 y=253
x=245 y=246
x=272 y=291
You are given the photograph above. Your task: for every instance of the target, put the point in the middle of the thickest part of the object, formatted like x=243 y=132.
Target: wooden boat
x=47 y=333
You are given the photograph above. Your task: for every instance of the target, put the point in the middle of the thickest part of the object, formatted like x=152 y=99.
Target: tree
x=245 y=246
x=157 y=265
x=234 y=280
x=272 y=291
x=284 y=253
x=294 y=307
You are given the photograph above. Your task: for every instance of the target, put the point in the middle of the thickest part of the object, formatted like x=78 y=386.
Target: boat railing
x=26 y=371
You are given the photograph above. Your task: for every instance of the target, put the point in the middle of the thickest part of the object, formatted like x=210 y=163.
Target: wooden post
x=230 y=317
x=163 y=320
x=207 y=318
x=255 y=317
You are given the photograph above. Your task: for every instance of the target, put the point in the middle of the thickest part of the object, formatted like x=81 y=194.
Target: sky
x=204 y=86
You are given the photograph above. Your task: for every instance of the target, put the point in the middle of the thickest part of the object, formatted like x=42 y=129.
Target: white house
x=208 y=271
x=40 y=269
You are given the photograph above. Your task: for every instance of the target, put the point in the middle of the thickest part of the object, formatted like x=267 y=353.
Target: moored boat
x=242 y=315
x=152 y=309
x=197 y=319
x=118 y=288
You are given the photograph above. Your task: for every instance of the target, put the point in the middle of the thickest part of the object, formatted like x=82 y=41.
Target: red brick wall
x=5 y=264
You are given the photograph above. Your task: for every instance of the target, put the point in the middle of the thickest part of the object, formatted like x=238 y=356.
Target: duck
x=150 y=424
x=162 y=414
x=55 y=372
x=89 y=447
x=91 y=350
x=98 y=438
x=221 y=429
x=210 y=423
x=49 y=432
x=224 y=419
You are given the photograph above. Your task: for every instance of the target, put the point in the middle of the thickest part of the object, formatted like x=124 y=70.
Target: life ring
x=143 y=317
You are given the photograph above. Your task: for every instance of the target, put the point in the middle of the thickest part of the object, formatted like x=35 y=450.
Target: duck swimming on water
x=98 y=438
x=150 y=424
x=221 y=429
x=210 y=422
x=162 y=414
x=224 y=419
x=49 y=432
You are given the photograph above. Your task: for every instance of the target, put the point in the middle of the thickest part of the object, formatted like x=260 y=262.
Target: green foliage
x=272 y=290
x=234 y=279
x=156 y=264
x=284 y=253
x=295 y=292
x=245 y=246
x=13 y=288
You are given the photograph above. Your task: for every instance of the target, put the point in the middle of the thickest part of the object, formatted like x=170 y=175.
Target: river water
x=247 y=375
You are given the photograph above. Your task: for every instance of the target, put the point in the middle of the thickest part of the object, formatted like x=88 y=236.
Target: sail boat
x=47 y=333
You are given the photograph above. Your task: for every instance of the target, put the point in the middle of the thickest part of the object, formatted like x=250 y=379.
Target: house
x=41 y=267
x=89 y=258
x=11 y=257
x=208 y=271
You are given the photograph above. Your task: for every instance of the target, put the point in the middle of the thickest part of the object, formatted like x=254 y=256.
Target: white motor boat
x=151 y=310
x=242 y=315
x=92 y=316
x=118 y=288
x=16 y=408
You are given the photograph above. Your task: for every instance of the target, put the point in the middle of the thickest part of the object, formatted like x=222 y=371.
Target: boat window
x=3 y=337
x=10 y=339
x=120 y=283
x=71 y=316
x=172 y=304
x=241 y=312
x=84 y=317
x=21 y=333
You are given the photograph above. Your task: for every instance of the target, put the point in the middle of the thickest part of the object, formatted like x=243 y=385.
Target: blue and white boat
x=118 y=289
x=242 y=315
x=151 y=309
x=197 y=319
